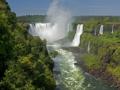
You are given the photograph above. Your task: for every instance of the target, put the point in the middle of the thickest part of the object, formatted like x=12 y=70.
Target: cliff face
x=103 y=59
x=24 y=60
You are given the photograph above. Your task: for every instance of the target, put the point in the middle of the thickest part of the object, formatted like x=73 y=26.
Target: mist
x=58 y=18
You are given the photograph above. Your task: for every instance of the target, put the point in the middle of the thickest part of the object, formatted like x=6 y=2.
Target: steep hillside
x=24 y=60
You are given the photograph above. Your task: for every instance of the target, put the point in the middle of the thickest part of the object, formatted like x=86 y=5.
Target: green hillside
x=24 y=60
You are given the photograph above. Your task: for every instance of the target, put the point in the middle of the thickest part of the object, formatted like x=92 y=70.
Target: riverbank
x=91 y=78
x=100 y=71
x=102 y=56
x=106 y=77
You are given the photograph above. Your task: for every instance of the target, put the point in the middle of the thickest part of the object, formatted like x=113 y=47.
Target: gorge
x=67 y=75
x=58 y=51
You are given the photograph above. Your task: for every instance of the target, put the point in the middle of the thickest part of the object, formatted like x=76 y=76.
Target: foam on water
x=70 y=77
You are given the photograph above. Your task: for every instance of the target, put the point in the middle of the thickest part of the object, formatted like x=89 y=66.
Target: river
x=70 y=77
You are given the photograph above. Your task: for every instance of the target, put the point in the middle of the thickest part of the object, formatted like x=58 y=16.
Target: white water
x=79 y=31
x=112 y=29
x=38 y=28
x=88 y=48
x=47 y=31
x=101 y=30
x=69 y=77
x=51 y=33
x=58 y=18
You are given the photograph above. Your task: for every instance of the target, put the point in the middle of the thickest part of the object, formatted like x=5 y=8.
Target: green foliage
x=116 y=55
x=104 y=49
x=91 y=61
x=91 y=25
x=100 y=19
x=31 y=18
x=53 y=54
x=4 y=5
x=115 y=71
x=28 y=74
x=24 y=60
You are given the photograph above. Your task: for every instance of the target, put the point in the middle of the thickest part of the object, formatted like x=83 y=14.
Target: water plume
x=58 y=19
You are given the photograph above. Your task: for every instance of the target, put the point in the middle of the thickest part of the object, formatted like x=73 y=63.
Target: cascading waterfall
x=38 y=28
x=88 y=48
x=68 y=76
x=79 y=31
x=112 y=29
x=51 y=33
x=58 y=18
x=47 y=31
x=101 y=30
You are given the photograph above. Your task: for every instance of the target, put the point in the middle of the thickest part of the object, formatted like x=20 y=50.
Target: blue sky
x=77 y=7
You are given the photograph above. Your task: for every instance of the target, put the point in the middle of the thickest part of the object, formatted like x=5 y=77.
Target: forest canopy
x=24 y=60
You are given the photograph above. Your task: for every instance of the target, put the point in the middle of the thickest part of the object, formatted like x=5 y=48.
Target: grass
x=115 y=71
x=91 y=61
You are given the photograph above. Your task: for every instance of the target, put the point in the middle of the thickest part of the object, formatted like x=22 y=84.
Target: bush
x=91 y=61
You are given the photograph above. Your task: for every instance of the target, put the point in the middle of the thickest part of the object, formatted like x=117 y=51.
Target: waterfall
x=56 y=29
x=88 y=48
x=67 y=75
x=112 y=29
x=38 y=28
x=101 y=30
x=48 y=31
x=79 y=31
x=51 y=32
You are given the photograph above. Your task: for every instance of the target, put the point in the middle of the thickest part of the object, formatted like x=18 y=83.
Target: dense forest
x=31 y=18
x=24 y=60
x=75 y=19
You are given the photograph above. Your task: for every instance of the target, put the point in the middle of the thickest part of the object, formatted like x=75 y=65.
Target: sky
x=76 y=7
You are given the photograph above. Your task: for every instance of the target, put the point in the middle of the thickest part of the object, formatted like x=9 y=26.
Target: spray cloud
x=56 y=29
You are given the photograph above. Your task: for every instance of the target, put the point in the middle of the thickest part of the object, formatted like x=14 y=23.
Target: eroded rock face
x=106 y=76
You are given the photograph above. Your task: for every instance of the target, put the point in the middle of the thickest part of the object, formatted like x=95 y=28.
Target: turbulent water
x=47 y=31
x=69 y=77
